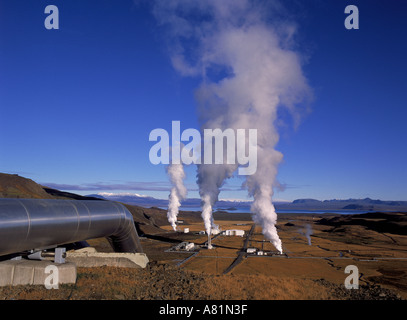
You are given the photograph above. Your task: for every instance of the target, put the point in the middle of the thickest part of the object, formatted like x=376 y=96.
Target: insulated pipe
x=27 y=224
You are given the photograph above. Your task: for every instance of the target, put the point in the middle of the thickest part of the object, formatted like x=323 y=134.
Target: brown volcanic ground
x=14 y=186
x=375 y=243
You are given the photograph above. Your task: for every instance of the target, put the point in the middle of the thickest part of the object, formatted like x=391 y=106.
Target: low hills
x=14 y=186
x=365 y=204
x=382 y=222
x=350 y=205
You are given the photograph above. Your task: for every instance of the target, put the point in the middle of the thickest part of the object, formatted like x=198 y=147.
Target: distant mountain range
x=14 y=186
x=146 y=201
x=366 y=204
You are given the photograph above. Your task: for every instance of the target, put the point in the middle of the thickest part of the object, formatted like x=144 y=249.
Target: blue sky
x=77 y=104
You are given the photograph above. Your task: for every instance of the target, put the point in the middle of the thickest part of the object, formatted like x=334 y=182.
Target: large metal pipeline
x=27 y=224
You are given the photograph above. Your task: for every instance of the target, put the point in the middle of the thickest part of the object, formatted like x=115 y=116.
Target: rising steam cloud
x=249 y=72
x=178 y=192
x=307 y=232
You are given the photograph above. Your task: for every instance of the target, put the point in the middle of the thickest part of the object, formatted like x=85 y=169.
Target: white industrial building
x=189 y=246
x=234 y=232
x=215 y=231
x=251 y=250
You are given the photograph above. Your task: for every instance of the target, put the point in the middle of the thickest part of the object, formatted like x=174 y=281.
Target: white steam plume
x=307 y=232
x=249 y=72
x=178 y=192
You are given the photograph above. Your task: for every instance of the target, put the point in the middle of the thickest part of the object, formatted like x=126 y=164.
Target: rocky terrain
x=166 y=282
